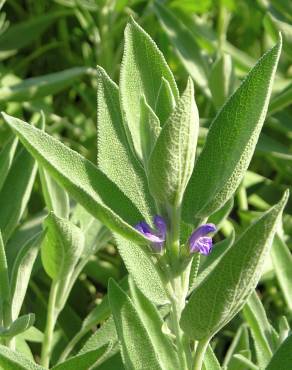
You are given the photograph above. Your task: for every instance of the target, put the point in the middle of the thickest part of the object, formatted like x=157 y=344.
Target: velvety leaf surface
x=225 y=290
x=114 y=157
x=172 y=160
x=21 y=272
x=89 y=186
x=138 y=351
x=13 y=360
x=6 y=158
x=141 y=267
x=231 y=141
x=142 y=70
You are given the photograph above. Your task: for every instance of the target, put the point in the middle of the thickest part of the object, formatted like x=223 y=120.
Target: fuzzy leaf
x=142 y=69
x=56 y=198
x=21 y=272
x=225 y=290
x=138 y=351
x=62 y=247
x=89 y=186
x=172 y=160
x=153 y=323
x=18 y=326
x=141 y=267
x=231 y=141
x=114 y=157
x=13 y=360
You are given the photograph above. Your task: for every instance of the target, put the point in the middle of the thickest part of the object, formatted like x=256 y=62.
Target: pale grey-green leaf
x=138 y=351
x=114 y=157
x=142 y=69
x=231 y=141
x=172 y=160
x=225 y=290
x=89 y=186
x=21 y=271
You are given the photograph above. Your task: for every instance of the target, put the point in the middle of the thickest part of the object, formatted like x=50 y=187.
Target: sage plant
x=159 y=196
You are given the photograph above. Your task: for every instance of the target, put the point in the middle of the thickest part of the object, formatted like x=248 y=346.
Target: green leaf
x=56 y=198
x=142 y=70
x=138 y=351
x=39 y=87
x=12 y=360
x=282 y=262
x=256 y=317
x=165 y=101
x=172 y=160
x=16 y=191
x=153 y=323
x=141 y=267
x=18 y=326
x=149 y=130
x=83 y=361
x=21 y=272
x=89 y=186
x=6 y=159
x=62 y=247
x=282 y=359
x=221 y=80
x=185 y=45
x=231 y=141
x=225 y=290
x=115 y=158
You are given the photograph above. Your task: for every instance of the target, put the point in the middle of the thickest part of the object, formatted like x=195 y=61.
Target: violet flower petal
x=201 y=243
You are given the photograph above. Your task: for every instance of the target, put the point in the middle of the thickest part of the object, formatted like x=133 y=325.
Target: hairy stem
x=52 y=315
x=199 y=354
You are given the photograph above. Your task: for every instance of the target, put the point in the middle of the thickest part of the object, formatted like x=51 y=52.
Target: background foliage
x=49 y=51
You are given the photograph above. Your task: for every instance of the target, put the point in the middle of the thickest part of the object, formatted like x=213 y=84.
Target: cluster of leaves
x=59 y=203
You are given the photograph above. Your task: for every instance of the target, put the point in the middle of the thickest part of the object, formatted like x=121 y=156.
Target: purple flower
x=156 y=237
x=199 y=242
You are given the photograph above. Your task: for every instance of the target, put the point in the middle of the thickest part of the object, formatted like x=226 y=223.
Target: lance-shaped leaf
x=114 y=157
x=21 y=271
x=6 y=158
x=225 y=290
x=5 y=303
x=16 y=191
x=88 y=185
x=142 y=69
x=143 y=270
x=83 y=361
x=261 y=330
x=13 y=360
x=138 y=349
x=153 y=323
x=172 y=160
x=282 y=359
x=231 y=141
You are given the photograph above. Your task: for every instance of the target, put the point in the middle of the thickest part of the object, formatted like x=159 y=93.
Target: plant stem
x=199 y=354
x=52 y=315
